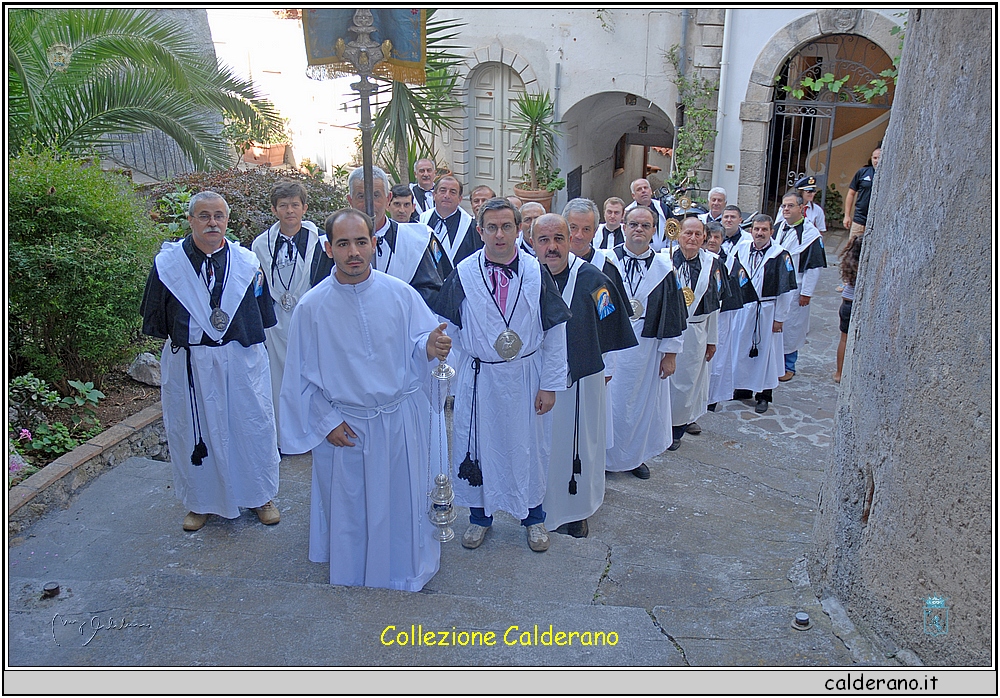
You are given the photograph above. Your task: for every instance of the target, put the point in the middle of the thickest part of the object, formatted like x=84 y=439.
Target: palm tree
x=75 y=76
x=410 y=119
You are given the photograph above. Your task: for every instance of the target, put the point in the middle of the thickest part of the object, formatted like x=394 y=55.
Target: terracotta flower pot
x=539 y=196
x=269 y=155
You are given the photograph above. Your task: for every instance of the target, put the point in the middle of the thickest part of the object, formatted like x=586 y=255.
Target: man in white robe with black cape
x=599 y=325
x=508 y=320
x=804 y=243
x=767 y=292
x=403 y=250
x=720 y=385
x=355 y=394
x=286 y=252
x=209 y=298
x=453 y=227
x=640 y=392
x=704 y=287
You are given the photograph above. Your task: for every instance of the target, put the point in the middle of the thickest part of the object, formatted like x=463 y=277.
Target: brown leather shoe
x=787 y=377
x=268 y=514
x=194 y=522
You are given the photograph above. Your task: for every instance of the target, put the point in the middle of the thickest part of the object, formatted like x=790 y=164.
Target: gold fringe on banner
x=322 y=51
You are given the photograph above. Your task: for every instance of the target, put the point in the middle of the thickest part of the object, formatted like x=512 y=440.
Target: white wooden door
x=494 y=88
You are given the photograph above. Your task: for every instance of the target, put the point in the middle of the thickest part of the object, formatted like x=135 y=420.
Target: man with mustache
x=599 y=325
x=209 y=298
x=360 y=348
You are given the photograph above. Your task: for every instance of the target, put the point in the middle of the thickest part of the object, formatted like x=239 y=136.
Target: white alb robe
x=560 y=506
x=276 y=340
x=357 y=354
x=640 y=399
x=762 y=371
x=796 y=326
x=513 y=442
x=689 y=384
x=720 y=384
x=233 y=389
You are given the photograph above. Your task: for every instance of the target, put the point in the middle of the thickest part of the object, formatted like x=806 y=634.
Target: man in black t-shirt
x=859 y=196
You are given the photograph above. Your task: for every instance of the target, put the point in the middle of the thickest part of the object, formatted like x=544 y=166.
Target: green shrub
x=80 y=247
x=248 y=194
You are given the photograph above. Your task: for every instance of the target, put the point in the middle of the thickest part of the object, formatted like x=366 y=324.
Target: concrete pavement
x=702 y=565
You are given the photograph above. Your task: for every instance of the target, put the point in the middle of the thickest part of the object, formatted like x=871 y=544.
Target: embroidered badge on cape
x=788 y=263
x=258 y=283
x=602 y=299
x=744 y=278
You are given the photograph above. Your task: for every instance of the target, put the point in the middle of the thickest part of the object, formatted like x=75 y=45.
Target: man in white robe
x=508 y=321
x=804 y=243
x=720 y=386
x=599 y=325
x=767 y=291
x=286 y=251
x=642 y=195
x=453 y=227
x=704 y=287
x=209 y=299
x=640 y=392
x=403 y=250
x=354 y=393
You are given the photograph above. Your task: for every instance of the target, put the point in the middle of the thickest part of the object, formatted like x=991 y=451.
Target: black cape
x=779 y=277
x=448 y=303
x=666 y=312
x=812 y=257
x=164 y=316
x=470 y=243
x=419 y=198
x=734 y=301
x=718 y=285
x=610 y=271
x=600 y=321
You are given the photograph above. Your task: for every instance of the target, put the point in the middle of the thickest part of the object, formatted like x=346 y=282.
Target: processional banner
x=326 y=35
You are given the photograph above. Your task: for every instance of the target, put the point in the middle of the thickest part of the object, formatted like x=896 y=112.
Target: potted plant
x=257 y=148
x=534 y=116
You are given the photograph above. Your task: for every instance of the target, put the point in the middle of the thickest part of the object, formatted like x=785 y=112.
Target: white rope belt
x=366 y=413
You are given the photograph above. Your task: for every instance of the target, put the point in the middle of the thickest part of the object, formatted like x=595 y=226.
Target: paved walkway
x=701 y=565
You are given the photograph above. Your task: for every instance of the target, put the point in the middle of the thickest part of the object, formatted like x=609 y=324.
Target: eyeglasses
x=506 y=227
x=218 y=217
x=633 y=225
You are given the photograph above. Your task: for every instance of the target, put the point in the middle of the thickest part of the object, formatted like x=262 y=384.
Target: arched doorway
x=493 y=88
x=825 y=129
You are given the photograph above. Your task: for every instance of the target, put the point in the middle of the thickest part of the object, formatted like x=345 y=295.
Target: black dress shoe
x=577 y=529
x=642 y=472
x=693 y=428
x=711 y=408
x=761 y=407
x=675 y=445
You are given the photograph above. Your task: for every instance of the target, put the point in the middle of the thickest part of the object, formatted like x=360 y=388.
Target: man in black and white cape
x=209 y=298
x=355 y=394
x=288 y=252
x=704 y=286
x=425 y=171
x=767 y=292
x=453 y=227
x=640 y=392
x=720 y=385
x=642 y=195
x=599 y=325
x=508 y=320
x=804 y=243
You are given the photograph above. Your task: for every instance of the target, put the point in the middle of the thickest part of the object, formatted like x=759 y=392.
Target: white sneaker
x=474 y=536
x=538 y=538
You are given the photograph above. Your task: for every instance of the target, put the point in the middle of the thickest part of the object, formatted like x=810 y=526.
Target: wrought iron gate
x=804 y=125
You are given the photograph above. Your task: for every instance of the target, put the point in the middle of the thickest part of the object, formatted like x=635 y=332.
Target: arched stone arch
x=756 y=109
x=494 y=53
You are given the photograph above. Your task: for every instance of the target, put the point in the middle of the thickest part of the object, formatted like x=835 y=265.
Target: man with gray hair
x=209 y=298
x=424 y=170
x=403 y=250
x=716 y=205
x=581 y=216
x=529 y=212
x=642 y=195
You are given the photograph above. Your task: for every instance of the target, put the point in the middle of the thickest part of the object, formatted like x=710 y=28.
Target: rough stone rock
x=145 y=369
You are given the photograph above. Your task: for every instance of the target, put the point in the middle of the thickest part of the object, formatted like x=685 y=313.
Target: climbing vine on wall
x=696 y=123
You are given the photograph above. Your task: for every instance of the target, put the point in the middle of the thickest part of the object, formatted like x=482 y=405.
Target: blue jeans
x=790 y=360
x=477 y=515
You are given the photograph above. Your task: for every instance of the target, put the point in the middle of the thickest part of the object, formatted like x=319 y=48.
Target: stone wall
x=906 y=508
x=53 y=486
